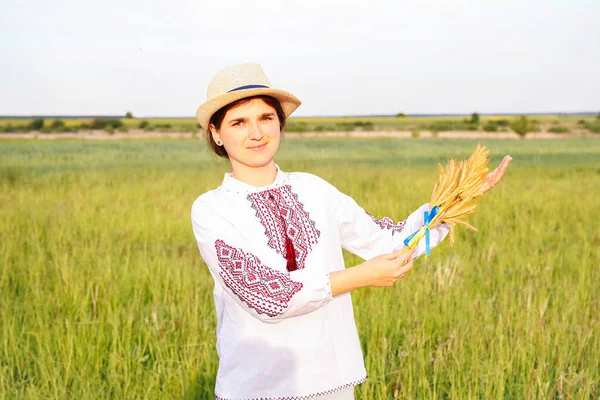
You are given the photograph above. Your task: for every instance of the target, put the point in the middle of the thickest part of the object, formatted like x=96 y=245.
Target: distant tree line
x=110 y=125
x=521 y=125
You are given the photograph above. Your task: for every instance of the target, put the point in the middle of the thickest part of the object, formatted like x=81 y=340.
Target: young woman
x=273 y=244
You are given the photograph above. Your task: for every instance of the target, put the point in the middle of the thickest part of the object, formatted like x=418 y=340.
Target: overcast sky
x=155 y=58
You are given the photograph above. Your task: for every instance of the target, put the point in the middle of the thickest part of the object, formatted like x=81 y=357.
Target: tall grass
x=103 y=293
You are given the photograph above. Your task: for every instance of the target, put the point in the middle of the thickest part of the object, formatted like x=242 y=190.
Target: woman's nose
x=254 y=131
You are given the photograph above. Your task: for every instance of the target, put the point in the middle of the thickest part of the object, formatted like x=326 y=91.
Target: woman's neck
x=255 y=176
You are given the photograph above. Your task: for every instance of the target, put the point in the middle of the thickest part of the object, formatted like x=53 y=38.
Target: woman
x=273 y=244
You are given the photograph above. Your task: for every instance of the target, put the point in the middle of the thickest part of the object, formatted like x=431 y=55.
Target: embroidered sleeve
x=265 y=293
x=366 y=236
x=263 y=289
x=388 y=223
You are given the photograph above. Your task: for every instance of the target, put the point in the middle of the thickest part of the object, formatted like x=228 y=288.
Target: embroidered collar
x=233 y=185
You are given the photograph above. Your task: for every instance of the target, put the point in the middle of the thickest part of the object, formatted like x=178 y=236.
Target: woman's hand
x=386 y=269
x=494 y=177
x=382 y=270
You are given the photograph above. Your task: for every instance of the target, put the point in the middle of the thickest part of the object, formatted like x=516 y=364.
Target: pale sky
x=155 y=58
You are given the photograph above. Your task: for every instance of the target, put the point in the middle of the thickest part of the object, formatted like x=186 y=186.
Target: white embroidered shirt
x=280 y=334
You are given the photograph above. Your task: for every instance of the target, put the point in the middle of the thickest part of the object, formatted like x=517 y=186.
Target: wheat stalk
x=455 y=192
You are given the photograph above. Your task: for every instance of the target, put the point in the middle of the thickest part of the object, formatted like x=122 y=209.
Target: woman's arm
x=367 y=237
x=382 y=270
x=270 y=295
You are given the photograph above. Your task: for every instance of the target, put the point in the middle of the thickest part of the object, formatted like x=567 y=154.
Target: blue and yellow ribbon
x=414 y=239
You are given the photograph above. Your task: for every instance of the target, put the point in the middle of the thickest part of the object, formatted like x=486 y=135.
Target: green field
x=103 y=293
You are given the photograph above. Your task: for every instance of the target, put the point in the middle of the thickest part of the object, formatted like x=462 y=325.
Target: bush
x=109 y=129
x=103 y=123
x=451 y=126
x=593 y=127
x=163 y=127
x=46 y=129
x=441 y=126
x=143 y=124
x=502 y=122
x=8 y=128
x=523 y=125
x=65 y=129
x=365 y=125
x=400 y=115
x=415 y=134
x=474 y=118
x=352 y=126
x=129 y=115
x=37 y=124
x=123 y=129
x=57 y=124
x=559 y=129
x=298 y=127
x=490 y=127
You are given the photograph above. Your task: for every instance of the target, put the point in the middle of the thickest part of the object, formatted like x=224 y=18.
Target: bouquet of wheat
x=454 y=194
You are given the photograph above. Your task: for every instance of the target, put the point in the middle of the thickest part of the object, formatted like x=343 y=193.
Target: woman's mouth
x=258 y=148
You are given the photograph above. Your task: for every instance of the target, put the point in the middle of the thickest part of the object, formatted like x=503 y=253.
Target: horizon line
x=407 y=115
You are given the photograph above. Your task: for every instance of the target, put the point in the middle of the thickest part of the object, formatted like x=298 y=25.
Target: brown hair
x=217 y=118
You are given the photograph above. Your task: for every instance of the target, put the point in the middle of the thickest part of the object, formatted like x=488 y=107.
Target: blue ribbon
x=427 y=218
x=248 y=87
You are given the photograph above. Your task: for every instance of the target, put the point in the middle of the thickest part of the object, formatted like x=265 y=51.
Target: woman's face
x=250 y=133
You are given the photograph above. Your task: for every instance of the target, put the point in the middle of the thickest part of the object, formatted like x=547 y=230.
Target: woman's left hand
x=494 y=177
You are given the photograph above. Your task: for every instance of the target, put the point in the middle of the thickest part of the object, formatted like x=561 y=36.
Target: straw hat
x=237 y=82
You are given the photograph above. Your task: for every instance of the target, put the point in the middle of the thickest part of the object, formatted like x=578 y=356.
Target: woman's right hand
x=386 y=269
x=382 y=270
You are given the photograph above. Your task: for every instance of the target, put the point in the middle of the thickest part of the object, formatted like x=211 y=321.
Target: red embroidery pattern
x=310 y=396
x=388 y=223
x=288 y=227
x=264 y=289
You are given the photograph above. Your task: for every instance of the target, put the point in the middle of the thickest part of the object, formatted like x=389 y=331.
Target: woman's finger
x=391 y=256
x=499 y=172
x=405 y=268
x=405 y=258
x=494 y=177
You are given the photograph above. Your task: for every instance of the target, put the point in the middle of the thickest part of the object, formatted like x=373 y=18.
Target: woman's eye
x=267 y=118
x=237 y=123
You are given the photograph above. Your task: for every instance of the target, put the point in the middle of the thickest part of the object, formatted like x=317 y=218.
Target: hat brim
x=289 y=102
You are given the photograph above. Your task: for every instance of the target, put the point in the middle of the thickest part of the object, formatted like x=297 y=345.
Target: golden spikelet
x=454 y=193
x=457 y=187
x=451 y=235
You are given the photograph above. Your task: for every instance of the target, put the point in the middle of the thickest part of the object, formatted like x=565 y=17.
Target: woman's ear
x=215 y=135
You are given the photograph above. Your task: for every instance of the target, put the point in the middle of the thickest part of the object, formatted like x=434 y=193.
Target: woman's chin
x=257 y=160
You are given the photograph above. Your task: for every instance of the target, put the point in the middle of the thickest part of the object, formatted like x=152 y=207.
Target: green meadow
x=103 y=293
